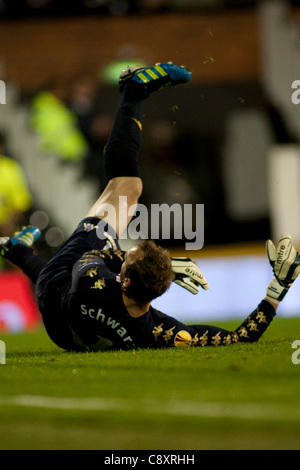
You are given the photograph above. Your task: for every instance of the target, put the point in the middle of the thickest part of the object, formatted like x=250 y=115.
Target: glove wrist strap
x=276 y=292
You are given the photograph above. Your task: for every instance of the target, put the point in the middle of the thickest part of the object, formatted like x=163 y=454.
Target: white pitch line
x=254 y=411
x=62 y=403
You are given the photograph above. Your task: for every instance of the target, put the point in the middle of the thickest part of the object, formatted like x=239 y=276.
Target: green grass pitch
x=243 y=396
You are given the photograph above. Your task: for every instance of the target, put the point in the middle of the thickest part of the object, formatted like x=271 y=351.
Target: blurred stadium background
x=229 y=139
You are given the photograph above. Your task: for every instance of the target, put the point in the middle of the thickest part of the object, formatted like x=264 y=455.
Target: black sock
x=23 y=257
x=123 y=145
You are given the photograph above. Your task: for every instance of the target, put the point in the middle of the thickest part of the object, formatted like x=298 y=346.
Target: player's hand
x=188 y=275
x=285 y=262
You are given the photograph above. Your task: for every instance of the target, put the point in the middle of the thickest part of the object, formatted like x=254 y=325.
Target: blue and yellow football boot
x=150 y=79
x=28 y=236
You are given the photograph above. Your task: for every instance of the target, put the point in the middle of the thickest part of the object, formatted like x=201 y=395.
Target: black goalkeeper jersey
x=99 y=319
x=98 y=316
x=80 y=299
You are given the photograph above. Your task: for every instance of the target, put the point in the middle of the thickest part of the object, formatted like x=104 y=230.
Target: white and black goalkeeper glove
x=285 y=261
x=188 y=275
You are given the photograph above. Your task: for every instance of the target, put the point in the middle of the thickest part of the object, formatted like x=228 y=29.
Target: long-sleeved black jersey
x=99 y=319
x=79 y=296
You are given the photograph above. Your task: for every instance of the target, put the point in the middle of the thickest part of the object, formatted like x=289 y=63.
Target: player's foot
x=28 y=236
x=150 y=79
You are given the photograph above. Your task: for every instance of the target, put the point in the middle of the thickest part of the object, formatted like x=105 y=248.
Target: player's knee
x=131 y=187
x=137 y=188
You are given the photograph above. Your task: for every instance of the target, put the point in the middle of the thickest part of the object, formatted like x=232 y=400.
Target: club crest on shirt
x=87 y=227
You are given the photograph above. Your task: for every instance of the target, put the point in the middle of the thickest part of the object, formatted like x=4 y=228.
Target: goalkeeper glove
x=188 y=275
x=285 y=261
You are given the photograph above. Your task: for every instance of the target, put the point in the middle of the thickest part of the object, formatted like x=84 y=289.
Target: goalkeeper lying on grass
x=92 y=296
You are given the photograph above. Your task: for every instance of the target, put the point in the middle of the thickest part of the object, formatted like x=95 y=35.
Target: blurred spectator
x=83 y=100
x=56 y=125
x=165 y=179
x=167 y=169
x=15 y=197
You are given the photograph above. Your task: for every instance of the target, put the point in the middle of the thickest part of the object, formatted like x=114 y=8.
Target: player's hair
x=150 y=274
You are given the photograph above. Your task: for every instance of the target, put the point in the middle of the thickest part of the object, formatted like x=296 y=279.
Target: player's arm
x=285 y=262
x=188 y=275
x=113 y=259
x=95 y=266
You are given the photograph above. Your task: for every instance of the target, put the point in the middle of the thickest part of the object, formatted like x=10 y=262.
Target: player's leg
x=124 y=185
x=18 y=251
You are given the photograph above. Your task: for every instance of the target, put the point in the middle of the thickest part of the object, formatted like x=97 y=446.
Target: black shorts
x=56 y=277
